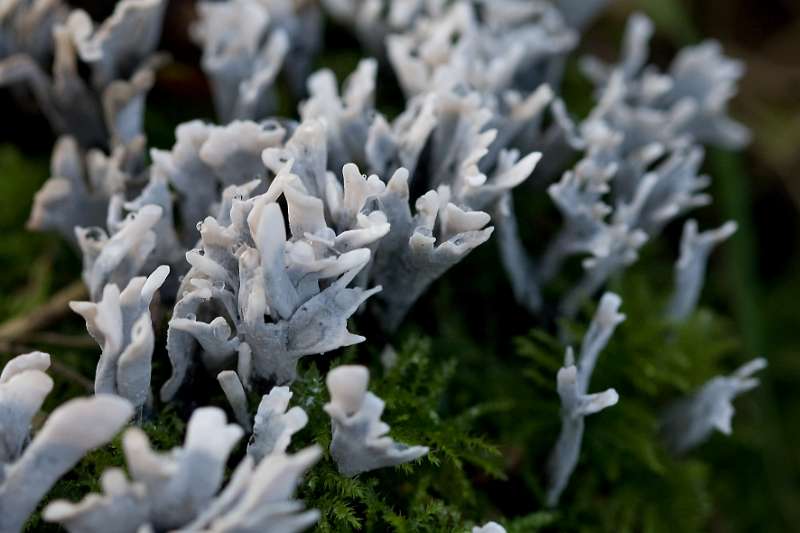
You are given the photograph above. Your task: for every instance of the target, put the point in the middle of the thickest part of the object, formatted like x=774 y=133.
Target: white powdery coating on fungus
x=247 y=43
x=139 y=236
x=640 y=166
x=121 y=324
x=489 y=527
x=691 y=97
x=573 y=384
x=206 y=159
x=285 y=296
x=27 y=27
x=360 y=442
x=467 y=156
x=120 y=257
x=421 y=247
x=626 y=168
x=373 y=20
x=240 y=55
x=23 y=387
x=109 y=110
x=510 y=48
x=128 y=36
x=468 y=136
x=690 y=269
x=275 y=424
x=81 y=186
x=647 y=190
x=691 y=421
x=71 y=431
x=182 y=490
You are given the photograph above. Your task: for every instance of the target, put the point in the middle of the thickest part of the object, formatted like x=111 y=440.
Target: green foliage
x=34 y=265
x=626 y=481
x=532 y=522
x=429 y=495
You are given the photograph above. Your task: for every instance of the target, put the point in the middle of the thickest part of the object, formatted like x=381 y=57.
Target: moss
x=427 y=495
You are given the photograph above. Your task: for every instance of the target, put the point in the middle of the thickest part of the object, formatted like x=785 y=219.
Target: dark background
x=757 y=274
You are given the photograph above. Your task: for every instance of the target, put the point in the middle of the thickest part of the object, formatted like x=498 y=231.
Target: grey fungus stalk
x=81 y=186
x=489 y=527
x=419 y=248
x=106 y=110
x=121 y=324
x=252 y=270
x=469 y=172
x=26 y=27
x=640 y=161
x=183 y=490
x=206 y=159
x=274 y=422
x=691 y=420
x=360 y=443
x=501 y=51
x=30 y=467
x=24 y=384
x=119 y=257
x=241 y=56
x=248 y=43
x=576 y=403
x=690 y=269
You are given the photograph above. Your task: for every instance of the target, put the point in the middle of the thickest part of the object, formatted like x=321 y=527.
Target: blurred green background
x=754 y=278
x=757 y=274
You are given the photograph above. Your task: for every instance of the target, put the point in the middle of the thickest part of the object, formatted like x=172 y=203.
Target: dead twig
x=70 y=374
x=59 y=340
x=47 y=313
x=56 y=366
